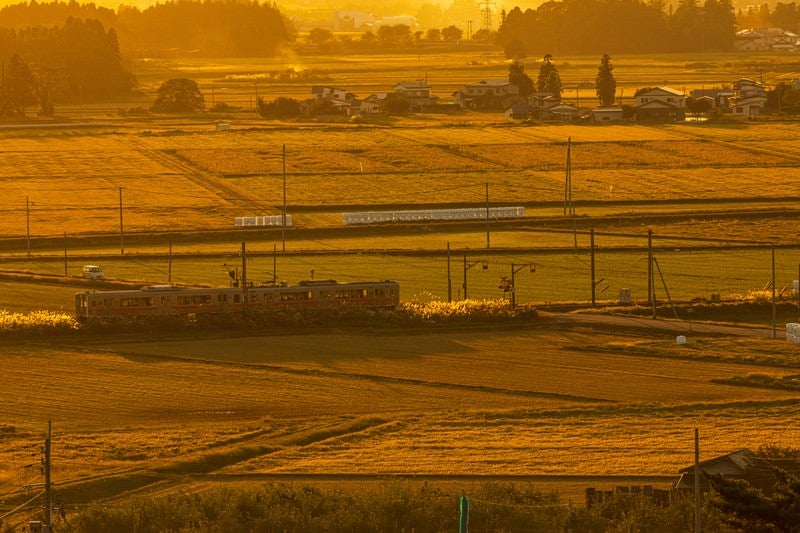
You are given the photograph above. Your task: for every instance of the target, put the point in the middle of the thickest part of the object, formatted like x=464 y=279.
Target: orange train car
x=174 y=300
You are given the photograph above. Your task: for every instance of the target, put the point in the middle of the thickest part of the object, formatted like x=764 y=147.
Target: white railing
x=273 y=220
x=421 y=215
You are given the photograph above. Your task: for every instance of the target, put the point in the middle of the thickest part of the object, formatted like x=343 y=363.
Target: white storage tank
x=625 y=296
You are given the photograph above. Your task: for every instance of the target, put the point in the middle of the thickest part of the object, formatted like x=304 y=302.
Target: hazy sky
x=413 y=5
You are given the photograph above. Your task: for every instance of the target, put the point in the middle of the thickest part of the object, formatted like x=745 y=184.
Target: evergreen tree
x=18 y=89
x=549 y=80
x=517 y=76
x=605 y=83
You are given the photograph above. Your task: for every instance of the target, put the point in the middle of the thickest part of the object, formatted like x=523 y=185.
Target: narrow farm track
x=228 y=194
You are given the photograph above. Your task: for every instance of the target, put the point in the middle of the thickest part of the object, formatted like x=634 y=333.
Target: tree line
x=619 y=26
x=75 y=62
x=209 y=28
x=783 y=15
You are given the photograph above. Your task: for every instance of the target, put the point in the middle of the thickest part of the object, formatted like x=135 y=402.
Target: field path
x=673 y=325
x=209 y=181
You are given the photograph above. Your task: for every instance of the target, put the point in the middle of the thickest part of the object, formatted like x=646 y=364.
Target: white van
x=93 y=272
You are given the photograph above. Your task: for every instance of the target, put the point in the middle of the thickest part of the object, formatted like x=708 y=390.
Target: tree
x=178 y=95
x=396 y=104
x=517 y=76
x=790 y=101
x=281 y=107
x=320 y=36
x=549 y=80
x=452 y=34
x=18 y=88
x=751 y=510
x=605 y=83
x=698 y=106
x=515 y=50
x=433 y=35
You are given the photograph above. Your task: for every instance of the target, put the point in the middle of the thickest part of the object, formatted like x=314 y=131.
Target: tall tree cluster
x=211 y=28
x=784 y=15
x=622 y=26
x=79 y=60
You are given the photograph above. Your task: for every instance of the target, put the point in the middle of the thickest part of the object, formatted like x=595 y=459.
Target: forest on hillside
x=212 y=28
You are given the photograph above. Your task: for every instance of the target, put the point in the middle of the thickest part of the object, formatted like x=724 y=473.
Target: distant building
x=417 y=92
x=659 y=104
x=607 y=114
x=719 y=97
x=518 y=111
x=763 y=39
x=741 y=464
x=373 y=104
x=352 y=20
x=341 y=99
x=487 y=94
x=749 y=98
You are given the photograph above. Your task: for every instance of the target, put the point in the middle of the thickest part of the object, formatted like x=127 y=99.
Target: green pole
x=463 y=521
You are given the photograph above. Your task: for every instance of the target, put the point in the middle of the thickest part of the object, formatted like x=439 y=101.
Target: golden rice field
x=572 y=401
x=168 y=176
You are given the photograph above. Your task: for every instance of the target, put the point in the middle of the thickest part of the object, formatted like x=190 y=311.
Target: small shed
x=607 y=114
x=517 y=112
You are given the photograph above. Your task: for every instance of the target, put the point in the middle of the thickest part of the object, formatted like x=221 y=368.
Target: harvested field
x=580 y=401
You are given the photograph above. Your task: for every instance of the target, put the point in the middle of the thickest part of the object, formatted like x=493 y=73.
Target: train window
x=237 y=298
x=351 y=294
x=135 y=302
x=195 y=299
x=296 y=296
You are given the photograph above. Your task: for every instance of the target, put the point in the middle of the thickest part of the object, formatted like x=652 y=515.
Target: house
x=341 y=99
x=762 y=39
x=352 y=20
x=749 y=98
x=607 y=113
x=741 y=464
x=487 y=94
x=719 y=96
x=561 y=111
x=417 y=92
x=373 y=104
x=659 y=104
x=518 y=111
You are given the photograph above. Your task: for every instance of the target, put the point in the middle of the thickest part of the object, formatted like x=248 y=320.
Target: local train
x=173 y=300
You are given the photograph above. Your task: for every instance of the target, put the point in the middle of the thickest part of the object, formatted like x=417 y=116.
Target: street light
x=514 y=270
x=467 y=266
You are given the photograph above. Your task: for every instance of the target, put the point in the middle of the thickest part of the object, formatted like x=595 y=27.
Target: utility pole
x=514 y=270
x=66 y=273
x=487 y=216
x=274 y=265
x=568 y=207
x=651 y=296
x=449 y=280
x=697 y=496
x=465 y=277
x=48 y=486
x=28 y=223
x=591 y=266
x=774 y=332
x=244 y=279
x=121 y=227
x=469 y=265
x=283 y=213
x=169 y=264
